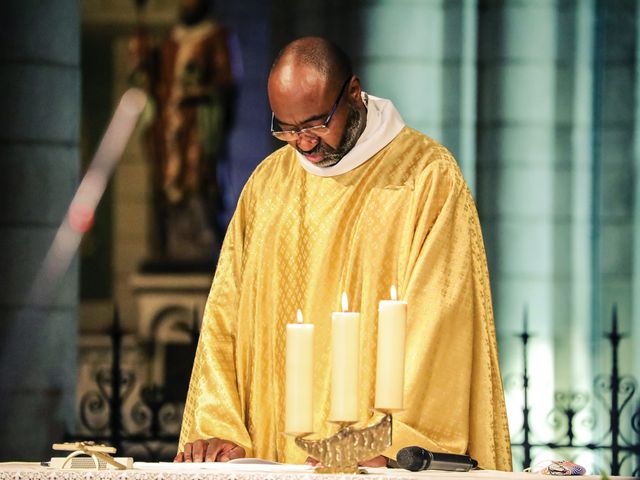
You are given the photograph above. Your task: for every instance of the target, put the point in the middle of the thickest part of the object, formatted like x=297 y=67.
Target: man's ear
x=355 y=89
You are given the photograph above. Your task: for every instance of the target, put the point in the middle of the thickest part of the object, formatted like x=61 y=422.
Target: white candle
x=344 y=365
x=299 y=378
x=392 y=326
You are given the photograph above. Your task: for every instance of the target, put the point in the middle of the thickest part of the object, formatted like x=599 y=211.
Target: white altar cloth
x=222 y=471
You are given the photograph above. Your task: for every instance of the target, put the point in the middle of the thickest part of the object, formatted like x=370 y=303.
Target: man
x=355 y=202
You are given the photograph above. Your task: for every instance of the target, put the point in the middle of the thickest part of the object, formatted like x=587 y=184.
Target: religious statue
x=189 y=80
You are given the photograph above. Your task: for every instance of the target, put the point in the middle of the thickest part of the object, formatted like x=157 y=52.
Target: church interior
x=538 y=100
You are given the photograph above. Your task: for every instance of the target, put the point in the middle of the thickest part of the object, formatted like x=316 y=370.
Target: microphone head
x=413 y=458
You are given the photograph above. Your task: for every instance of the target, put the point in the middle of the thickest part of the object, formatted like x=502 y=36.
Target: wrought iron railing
x=156 y=419
x=615 y=394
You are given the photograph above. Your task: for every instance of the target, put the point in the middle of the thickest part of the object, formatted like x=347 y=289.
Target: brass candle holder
x=345 y=450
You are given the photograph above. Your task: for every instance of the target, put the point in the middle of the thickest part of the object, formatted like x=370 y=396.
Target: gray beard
x=356 y=122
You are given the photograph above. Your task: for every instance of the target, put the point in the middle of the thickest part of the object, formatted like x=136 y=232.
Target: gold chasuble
x=405 y=217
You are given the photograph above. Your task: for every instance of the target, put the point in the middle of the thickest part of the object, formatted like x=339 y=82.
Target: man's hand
x=211 y=450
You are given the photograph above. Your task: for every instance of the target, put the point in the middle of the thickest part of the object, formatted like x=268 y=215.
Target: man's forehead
x=293 y=77
x=297 y=94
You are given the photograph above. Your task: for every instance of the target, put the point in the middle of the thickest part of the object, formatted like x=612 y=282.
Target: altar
x=244 y=471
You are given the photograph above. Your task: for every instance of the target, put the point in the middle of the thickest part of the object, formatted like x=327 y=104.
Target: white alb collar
x=383 y=124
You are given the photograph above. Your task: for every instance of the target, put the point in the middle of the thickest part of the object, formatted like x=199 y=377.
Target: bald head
x=322 y=56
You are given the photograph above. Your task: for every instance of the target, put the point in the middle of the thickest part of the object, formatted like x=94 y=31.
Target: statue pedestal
x=170 y=308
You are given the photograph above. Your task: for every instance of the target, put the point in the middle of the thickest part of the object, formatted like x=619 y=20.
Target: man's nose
x=307 y=142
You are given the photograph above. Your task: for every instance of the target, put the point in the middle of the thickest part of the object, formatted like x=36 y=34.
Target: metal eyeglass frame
x=317 y=130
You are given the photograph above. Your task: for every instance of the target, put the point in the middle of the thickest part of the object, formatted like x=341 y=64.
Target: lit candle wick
x=299 y=316
x=394 y=293
x=345 y=302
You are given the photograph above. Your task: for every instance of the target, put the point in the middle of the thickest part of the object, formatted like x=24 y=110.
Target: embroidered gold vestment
x=297 y=240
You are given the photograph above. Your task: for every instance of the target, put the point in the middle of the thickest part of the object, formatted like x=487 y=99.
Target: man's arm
x=214 y=421
x=454 y=401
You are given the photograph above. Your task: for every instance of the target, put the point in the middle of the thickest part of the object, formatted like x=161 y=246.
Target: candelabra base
x=344 y=451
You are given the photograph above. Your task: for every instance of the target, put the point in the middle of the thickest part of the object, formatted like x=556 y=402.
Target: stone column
x=635 y=308
x=617 y=180
x=522 y=181
x=39 y=166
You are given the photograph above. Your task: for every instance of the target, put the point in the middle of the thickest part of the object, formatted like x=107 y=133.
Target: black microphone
x=417 y=458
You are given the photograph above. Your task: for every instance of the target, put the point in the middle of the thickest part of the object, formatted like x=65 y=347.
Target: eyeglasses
x=317 y=130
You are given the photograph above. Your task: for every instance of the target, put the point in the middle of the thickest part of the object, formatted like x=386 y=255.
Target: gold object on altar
x=96 y=451
x=345 y=450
